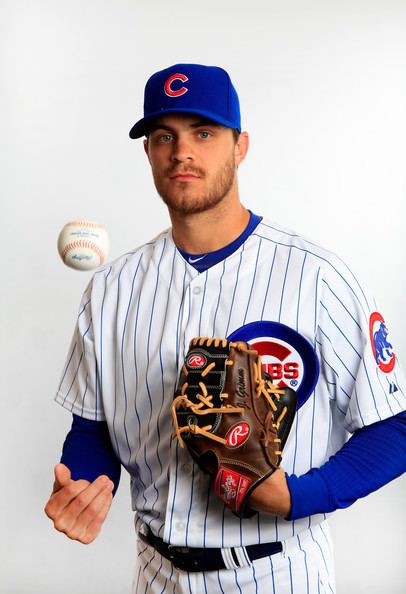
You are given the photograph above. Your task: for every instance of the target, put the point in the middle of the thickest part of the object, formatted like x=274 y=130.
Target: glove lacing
x=264 y=388
x=269 y=390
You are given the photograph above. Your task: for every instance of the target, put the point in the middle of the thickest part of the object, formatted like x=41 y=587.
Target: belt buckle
x=174 y=550
x=177 y=556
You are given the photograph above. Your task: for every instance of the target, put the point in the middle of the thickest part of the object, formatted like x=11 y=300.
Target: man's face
x=193 y=162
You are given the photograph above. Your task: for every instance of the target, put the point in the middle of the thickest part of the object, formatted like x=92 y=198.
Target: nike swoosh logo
x=194 y=260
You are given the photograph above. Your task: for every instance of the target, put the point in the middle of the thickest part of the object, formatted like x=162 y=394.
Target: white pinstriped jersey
x=135 y=322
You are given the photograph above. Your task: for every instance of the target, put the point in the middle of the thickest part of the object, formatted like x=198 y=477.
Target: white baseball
x=83 y=245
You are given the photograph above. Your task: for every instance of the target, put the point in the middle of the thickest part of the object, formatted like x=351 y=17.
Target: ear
x=146 y=147
x=241 y=148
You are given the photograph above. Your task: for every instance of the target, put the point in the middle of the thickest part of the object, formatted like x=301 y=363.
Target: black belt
x=204 y=559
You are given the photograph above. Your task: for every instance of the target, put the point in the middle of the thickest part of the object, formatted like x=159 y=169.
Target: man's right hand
x=79 y=508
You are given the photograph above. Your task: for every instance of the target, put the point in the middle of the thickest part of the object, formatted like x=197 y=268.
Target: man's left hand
x=272 y=495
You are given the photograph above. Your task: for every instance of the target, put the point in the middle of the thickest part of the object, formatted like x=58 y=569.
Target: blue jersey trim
x=202 y=262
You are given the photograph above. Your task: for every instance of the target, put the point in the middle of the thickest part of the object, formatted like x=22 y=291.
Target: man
x=222 y=271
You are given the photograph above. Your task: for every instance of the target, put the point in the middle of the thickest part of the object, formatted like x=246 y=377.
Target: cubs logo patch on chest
x=287 y=356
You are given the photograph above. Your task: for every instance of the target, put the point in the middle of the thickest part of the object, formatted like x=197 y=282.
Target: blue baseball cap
x=190 y=88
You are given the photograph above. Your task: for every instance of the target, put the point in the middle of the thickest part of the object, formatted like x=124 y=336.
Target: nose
x=182 y=150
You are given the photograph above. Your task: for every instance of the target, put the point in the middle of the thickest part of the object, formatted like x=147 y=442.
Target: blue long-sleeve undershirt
x=372 y=457
x=88 y=451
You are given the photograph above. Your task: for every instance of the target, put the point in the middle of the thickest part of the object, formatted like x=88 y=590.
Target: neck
x=210 y=230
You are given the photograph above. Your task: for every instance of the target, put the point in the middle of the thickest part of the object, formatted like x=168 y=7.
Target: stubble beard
x=184 y=199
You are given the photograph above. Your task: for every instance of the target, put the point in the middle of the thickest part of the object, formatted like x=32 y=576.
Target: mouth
x=184 y=177
x=187 y=175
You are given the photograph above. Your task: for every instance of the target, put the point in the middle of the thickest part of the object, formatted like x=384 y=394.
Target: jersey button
x=197 y=290
x=180 y=526
x=187 y=469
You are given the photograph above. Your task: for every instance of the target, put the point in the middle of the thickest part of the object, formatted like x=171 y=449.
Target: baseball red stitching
x=85 y=224
x=83 y=243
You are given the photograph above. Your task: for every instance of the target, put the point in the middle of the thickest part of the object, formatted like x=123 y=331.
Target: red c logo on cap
x=167 y=87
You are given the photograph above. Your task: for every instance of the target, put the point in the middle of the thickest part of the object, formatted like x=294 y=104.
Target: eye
x=165 y=138
x=204 y=134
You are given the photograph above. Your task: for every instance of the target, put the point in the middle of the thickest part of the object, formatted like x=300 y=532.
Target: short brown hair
x=236 y=135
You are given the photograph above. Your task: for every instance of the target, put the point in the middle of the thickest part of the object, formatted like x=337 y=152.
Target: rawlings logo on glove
x=232 y=418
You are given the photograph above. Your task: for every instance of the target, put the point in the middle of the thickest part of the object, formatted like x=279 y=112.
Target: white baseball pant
x=305 y=566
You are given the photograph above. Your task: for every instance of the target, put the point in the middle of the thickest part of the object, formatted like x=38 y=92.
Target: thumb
x=62 y=476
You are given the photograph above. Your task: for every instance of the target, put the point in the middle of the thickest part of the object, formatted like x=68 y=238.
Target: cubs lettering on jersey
x=288 y=357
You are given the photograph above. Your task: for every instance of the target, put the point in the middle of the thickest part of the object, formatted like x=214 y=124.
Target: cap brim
x=142 y=126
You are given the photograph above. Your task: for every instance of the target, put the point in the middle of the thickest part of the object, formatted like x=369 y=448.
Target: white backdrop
x=323 y=91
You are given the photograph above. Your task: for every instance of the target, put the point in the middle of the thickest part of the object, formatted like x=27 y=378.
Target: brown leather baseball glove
x=232 y=418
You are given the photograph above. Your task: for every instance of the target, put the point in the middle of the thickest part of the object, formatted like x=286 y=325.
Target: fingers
x=62 y=496
x=79 y=508
x=96 y=514
x=62 y=476
x=83 y=505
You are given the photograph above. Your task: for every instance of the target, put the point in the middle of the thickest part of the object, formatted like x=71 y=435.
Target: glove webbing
x=264 y=388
